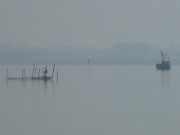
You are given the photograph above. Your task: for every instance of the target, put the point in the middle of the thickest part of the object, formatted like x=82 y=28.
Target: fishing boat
x=165 y=64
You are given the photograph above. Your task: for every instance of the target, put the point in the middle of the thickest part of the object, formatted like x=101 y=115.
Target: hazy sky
x=99 y=23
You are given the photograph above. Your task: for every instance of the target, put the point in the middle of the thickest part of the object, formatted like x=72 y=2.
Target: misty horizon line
x=122 y=53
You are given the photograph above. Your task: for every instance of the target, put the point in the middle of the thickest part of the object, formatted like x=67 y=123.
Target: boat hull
x=163 y=67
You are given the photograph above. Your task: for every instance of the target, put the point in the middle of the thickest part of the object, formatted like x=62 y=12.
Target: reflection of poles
x=35 y=72
x=23 y=74
x=57 y=76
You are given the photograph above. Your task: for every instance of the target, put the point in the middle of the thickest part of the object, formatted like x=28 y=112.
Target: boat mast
x=163 y=55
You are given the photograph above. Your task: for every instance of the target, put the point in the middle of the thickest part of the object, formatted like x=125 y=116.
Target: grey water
x=95 y=100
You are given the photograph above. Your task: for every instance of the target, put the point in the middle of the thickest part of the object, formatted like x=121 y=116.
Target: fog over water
x=119 y=92
x=91 y=100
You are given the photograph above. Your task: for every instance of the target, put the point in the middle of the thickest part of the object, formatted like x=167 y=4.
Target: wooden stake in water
x=25 y=74
x=22 y=74
x=53 y=71
x=33 y=70
x=6 y=73
x=38 y=72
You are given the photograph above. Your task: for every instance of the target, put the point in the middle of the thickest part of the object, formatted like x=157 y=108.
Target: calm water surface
x=96 y=100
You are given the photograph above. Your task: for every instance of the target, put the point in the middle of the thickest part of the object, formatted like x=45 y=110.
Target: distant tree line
x=120 y=53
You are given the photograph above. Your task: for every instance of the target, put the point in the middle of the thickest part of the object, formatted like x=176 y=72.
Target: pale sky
x=90 y=23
